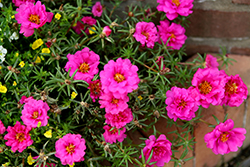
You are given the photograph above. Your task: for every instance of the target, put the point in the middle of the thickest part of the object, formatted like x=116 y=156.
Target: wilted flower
x=224 y=139
x=161 y=150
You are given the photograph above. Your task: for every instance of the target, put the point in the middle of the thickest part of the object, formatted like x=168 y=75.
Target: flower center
x=224 y=137
x=20 y=137
x=176 y=2
x=115 y=101
x=84 y=67
x=119 y=77
x=34 y=19
x=205 y=87
x=231 y=88
x=95 y=88
x=114 y=131
x=35 y=115
x=173 y=36
x=146 y=34
x=158 y=152
x=182 y=103
x=70 y=148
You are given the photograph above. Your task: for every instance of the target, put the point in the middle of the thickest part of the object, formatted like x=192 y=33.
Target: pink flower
x=106 y=31
x=174 y=7
x=224 y=139
x=235 y=91
x=70 y=149
x=95 y=88
x=146 y=33
x=211 y=62
x=119 y=120
x=20 y=2
x=175 y=32
x=159 y=61
x=119 y=77
x=35 y=111
x=97 y=9
x=32 y=16
x=2 y=127
x=25 y=99
x=47 y=164
x=112 y=136
x=113 y=105
x=88 y=20
x=78 y=28
x=209 y=84
x=86 y=62
x=161 y=150
x=180 y=104
x=18 y=137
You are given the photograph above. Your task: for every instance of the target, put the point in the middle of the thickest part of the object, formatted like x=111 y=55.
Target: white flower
x=3 y=52
x=1 y=5
x=14 y=36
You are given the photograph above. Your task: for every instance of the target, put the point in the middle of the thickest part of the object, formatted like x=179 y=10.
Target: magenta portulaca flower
x=95 y=88
x=70 y=148
x=106 y=31
x=113 y=105
x=32 y=16
x=88 y=20
x=209 y=84
x=159 y=61
x=119 y=77
x=35 y=111
x=78 y=27
x=97 y=9
x=224 y=139
x=180 y=104
x=20 y=2
x=113 y=135
x=173 y=8
x=235 y=91
x=146 y=34
x=18 y=137
x=119 y=120
x=86 y=62
x=211 y=62
x=174 y=31
x=2 y=127
x=25 y=99
x=161 y=150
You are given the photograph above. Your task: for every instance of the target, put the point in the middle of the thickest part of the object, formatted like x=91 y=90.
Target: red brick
x=192 y=49
x=247 y=2
x=212 y=23
x=241 y=51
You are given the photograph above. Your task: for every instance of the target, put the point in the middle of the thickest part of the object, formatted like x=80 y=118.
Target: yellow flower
x=48 y=133
x=72 y=165
x=0 y=67
x=73 y=95
x=92 y=32
x=45 y=50
x=14 y=83
x=21 y=64
x=37 y=44
x=140 y=97
x=30 y=160
x=58 y=16
x=38 y=59
x=16 y=54
x=3 y=89
x=13 y=16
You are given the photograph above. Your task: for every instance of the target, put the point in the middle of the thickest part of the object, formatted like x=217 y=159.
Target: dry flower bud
x=106 y=148
x=131 y=31
x=54 y=40
x=7 y=111
x=164 y=71
x=151 y=97
x=84 y=104
x=61 y=7
x=137 y=124
x=114 y=24
x=156 y=114
x=78 y=112
x=19 y=105
x=52 y=54
x=102 y=35
x=67 y=82
x=49 y=32
x=15 y=25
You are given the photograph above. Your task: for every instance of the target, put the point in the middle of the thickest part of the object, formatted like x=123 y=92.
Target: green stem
x=205 y=122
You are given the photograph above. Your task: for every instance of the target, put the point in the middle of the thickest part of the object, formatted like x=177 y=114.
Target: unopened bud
x=54 y=40
x=130 y=14
x=9 y=67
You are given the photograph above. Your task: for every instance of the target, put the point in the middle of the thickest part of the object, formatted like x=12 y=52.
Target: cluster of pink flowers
x=161 y=150
x=86 y=62
x=70 y=148
x=224 y=139
x=173 y=8
x=117 y=79
x=31 y=16
x=174 y=34
x=88 y=21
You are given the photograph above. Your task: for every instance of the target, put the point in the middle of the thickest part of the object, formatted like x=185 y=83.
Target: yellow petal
x=30 y=160
x=48 y=133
